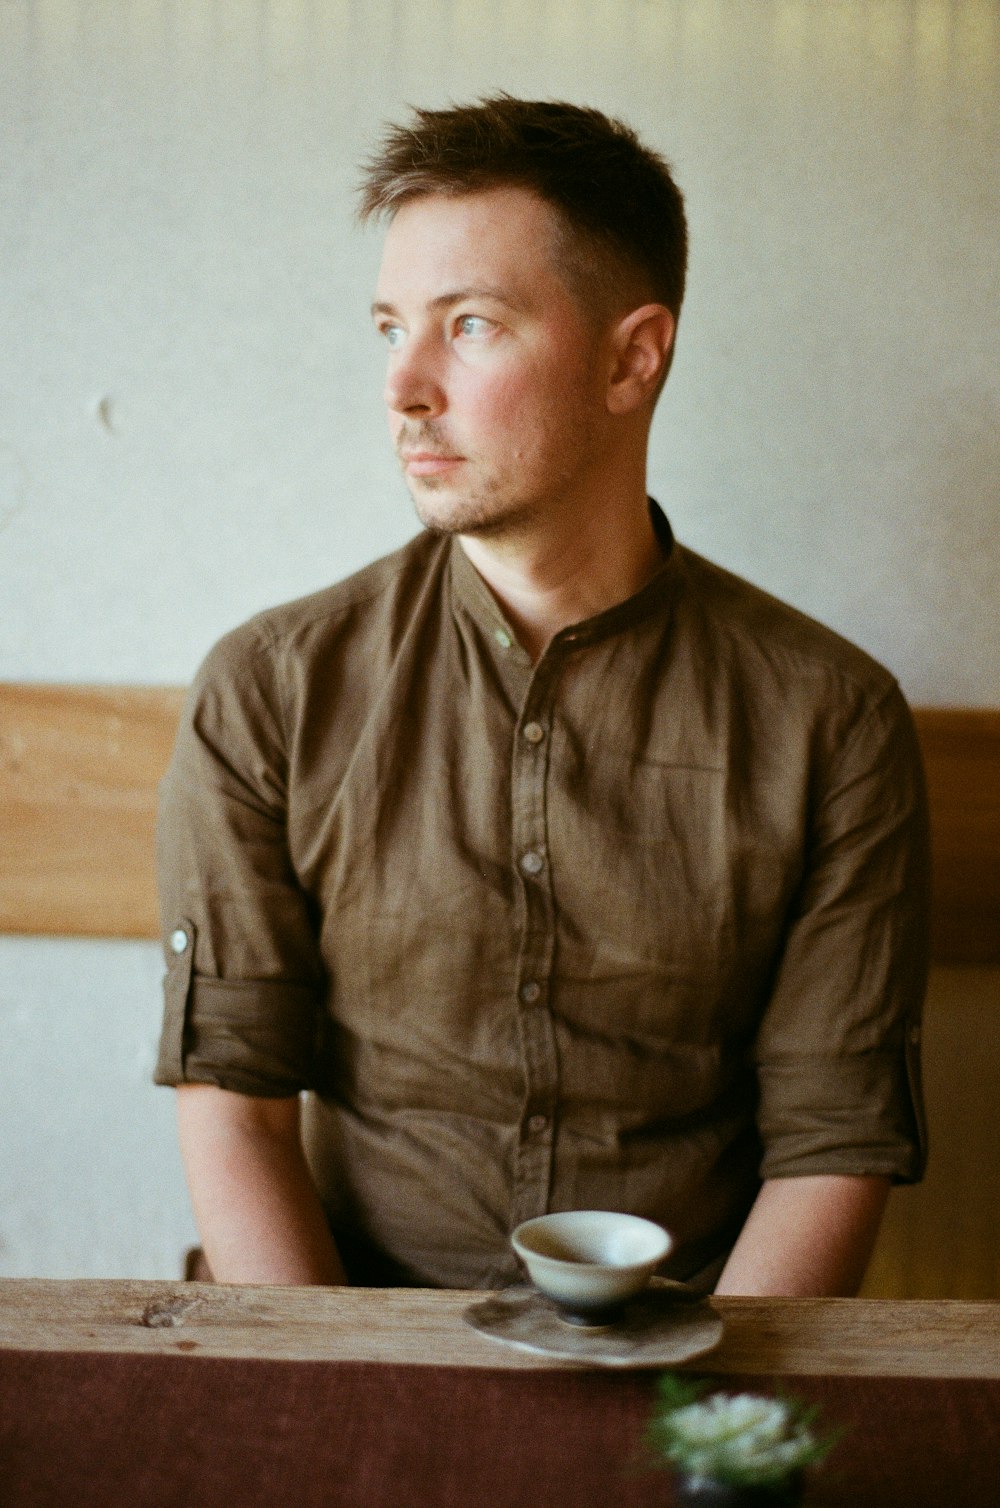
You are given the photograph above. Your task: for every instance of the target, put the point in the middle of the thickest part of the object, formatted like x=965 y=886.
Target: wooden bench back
x=79 y=767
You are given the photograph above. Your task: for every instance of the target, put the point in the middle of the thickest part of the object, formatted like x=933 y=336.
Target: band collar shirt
x=628 y=928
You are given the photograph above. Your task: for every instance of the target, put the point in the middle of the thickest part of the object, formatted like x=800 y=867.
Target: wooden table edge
x=843 y=1337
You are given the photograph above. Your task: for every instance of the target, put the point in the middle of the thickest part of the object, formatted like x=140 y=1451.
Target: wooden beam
x=79 y=767
x=961 y=748
x=940 y=1238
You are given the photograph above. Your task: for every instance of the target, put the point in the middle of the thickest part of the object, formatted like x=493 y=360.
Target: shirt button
x=538 y=1123
x=914 y=1034
x=532 y=862
x=178 y=941
x=533 y=732
x=503 y=638
x=530 y=991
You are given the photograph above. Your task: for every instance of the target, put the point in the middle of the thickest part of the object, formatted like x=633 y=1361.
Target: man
x=564 y=868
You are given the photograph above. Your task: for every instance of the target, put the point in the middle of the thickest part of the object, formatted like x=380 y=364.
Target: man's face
x=496 y=377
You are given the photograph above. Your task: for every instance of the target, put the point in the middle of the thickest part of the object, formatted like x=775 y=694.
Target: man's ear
x=640 y=346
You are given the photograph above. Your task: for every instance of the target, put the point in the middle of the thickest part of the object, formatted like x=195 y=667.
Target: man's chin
x=437 y=514
x=442 y=512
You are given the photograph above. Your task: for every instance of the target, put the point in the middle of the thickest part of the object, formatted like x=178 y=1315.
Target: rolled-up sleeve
x=837 y=1053
x=243 y=980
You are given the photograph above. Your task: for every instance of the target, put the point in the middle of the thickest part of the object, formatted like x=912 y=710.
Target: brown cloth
x=120 y=1431
x=628 y=928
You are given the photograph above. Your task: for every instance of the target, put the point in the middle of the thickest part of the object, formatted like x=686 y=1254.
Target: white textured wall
x=90 y=1177
x=189 y=413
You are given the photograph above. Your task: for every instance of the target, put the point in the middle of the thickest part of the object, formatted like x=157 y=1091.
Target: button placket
x=529 y=775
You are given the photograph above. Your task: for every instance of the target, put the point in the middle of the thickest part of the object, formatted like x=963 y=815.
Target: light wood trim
x=961 y=748
x=845 y=1337
x=940 y=1238
x=79 y=767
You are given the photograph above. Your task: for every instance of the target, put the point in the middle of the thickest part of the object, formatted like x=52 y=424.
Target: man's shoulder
x=753 y=628
x=366 y=603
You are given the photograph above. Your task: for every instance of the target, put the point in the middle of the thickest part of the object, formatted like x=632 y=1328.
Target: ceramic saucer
x=661 y=1327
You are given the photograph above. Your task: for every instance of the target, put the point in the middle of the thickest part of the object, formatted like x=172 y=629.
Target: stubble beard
x=492 y=512
x=489 y=512
x=486 y=516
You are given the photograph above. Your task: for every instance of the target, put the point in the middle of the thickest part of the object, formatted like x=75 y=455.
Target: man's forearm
x=807 y=1237
x=255 y=1204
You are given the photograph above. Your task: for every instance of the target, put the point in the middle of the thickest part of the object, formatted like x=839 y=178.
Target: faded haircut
x=621 y=233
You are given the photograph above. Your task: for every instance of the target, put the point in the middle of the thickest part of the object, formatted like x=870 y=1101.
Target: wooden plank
x=941 y=1238
x=79 y=767
x=424 y=1327
x=961 y=748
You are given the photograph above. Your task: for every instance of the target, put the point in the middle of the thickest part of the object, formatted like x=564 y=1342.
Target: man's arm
x=807 y=1237
x=255 y=1204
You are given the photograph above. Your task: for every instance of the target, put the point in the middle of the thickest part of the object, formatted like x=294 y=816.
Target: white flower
x=726 y=1416
x=738 y=1437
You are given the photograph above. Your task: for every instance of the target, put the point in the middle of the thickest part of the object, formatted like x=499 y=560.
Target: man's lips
x=427 y=462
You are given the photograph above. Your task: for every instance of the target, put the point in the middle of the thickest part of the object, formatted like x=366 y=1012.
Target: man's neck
x=546 y=583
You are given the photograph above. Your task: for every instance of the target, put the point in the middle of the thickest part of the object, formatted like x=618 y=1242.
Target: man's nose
x=413 y=382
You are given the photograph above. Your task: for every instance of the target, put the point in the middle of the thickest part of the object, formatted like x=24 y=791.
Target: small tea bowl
x=590 y=1262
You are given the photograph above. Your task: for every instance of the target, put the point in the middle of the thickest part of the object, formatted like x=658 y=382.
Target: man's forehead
x=496 y=241
x=487 y=228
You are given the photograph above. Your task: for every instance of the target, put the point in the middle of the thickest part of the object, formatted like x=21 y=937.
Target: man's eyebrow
x=456 y=296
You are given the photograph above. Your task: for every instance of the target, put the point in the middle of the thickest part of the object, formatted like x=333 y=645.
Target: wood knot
x=164 y=1313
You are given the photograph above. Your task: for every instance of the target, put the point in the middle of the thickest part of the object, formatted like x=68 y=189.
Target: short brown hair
x=619 y=212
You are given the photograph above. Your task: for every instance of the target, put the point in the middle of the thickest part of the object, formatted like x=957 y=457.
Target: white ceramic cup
x=590 y=1261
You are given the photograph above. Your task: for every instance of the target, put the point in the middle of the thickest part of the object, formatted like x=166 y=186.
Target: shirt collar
x=470 y=592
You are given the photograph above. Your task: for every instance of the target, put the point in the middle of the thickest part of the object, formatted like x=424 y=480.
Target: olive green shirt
x=629 y=928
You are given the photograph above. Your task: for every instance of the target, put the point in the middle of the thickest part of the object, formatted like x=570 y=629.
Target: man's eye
x=474 y=325
x=392 y=335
